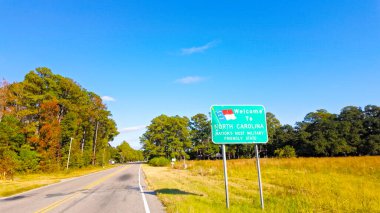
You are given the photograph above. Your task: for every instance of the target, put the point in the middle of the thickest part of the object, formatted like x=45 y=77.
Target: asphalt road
x=113 y=190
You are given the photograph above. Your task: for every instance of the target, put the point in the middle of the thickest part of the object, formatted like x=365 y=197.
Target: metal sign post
x=259 y=176
x=225 y=176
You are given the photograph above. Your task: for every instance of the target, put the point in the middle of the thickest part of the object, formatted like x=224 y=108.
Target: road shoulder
x=151 y=195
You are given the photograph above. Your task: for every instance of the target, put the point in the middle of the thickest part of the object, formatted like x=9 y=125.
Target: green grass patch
x=25 y=182
x=347 y=184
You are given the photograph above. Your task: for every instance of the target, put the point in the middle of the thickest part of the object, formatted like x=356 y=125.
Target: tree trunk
x=60 y=114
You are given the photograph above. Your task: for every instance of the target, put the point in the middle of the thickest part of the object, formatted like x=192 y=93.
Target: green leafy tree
x=285 y=152
x=320 y=134
x=272 y=125
x=11 y=139
x=4 y=96
x=200 y=134
x=371 y=131
x=351 y=127
x=29 y=159
x=167 y=137
x=52 y=109
x=127 y=153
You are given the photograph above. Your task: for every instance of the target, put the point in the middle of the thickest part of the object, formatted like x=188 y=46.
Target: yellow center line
x=89 y=186
x=57 y=203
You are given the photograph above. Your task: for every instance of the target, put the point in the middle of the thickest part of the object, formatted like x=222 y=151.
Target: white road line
x=142 y=193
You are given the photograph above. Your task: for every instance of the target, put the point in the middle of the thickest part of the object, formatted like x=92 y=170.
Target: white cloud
x=192 y=50
x=108 y=98
x=132 y=129
x=190 y=80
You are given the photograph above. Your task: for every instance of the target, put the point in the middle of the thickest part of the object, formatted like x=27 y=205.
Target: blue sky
x=181 y=57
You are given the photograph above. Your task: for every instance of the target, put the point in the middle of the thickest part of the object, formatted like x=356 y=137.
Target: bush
x=8 y=164
x=285 y=152
x=159 y=161
x=29 y=159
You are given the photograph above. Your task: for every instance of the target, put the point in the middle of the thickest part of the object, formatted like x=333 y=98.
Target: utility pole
x=68 y=159
x=94 y=144
x=104 y=150
x=83 y=139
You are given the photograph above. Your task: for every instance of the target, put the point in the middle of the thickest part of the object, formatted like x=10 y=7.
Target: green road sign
x=238 y=124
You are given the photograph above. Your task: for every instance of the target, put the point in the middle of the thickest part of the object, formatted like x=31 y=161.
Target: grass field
x=350 y=184
x=25 y=182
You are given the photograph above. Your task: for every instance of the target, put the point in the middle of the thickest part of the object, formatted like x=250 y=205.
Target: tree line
x=124 y=153
x=40 y=115
x=352 y=132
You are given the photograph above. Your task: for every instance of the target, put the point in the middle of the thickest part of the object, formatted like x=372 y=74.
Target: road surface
x=113 y=190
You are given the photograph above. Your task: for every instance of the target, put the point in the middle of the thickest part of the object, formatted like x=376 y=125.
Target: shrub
x=29 y=159
x=8 y=164
x=159 y=161
x=285 y=152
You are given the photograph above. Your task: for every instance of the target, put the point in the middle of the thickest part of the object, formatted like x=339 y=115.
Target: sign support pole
x=225 y=175
x=259 y=176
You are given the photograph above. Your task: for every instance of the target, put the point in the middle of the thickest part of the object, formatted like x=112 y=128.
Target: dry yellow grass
x=349 y=184
x=25 y=182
